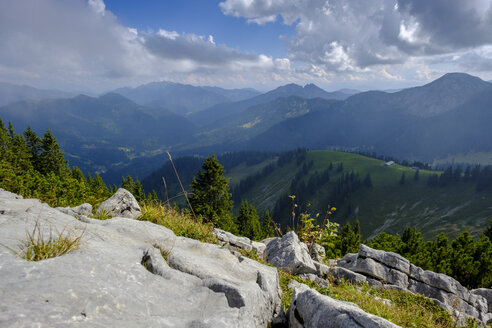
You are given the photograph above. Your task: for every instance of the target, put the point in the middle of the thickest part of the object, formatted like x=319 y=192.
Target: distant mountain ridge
x=182 y=98
x=10 y=93
x=98 y=132
x=223 y=111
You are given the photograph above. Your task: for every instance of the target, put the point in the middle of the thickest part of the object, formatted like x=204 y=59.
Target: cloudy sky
x=98 y=45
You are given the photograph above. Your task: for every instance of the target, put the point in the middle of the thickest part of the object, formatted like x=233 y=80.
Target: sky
x=97 y=45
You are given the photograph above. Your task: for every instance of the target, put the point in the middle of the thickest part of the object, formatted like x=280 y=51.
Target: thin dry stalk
x=185 y=193
x=165 y=188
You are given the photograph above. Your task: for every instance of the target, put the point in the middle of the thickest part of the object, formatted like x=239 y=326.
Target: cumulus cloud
x=55 y=43
x=350 y=36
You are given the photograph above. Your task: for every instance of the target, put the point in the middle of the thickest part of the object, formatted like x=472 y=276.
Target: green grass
x=37 y=246
x=181 y=223
x=387 y=206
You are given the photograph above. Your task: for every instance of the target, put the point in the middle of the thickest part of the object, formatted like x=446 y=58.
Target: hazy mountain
x=446 y=116
x=257 y=119
x=98 y=132
x=10 y=93
x=223 y=111
x=182 y=98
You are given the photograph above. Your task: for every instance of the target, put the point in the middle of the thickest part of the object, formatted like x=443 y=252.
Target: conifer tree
x=210 y=195
x=488 y=231
x=33 y=143
x=77 y=174
x=137 y=191
x=51 y=158
x=267 y=225
x=248 y=222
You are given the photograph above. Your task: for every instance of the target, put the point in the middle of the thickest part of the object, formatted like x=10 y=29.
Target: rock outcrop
x=309 y=308
x=390 y=270
x=230 y=240
x=121 y=204
x=290 y=255
x=77 y=211
x=126 y=273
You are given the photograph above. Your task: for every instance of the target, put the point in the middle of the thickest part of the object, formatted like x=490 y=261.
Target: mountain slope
x=225 y=111
x=10 y=93
x=415 y=123
x=181 y=98
x=256 y=120
x=98 y=132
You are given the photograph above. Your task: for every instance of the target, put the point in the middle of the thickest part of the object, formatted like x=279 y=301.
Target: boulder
x=127 y=273
x=485 y=293
x=389 y=259
x=243 y=243
x=321 y=269
x=439 y=280
x=309 y=308
x=379 y=271
x=312 y=277
x=77 y=211
x=290 y=255
x=121 y=204
x=318 y=252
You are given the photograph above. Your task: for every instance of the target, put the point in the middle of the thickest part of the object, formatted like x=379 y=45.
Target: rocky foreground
x=130 y=273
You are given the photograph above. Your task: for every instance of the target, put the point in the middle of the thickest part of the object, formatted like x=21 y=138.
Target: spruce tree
x=51 y=158
x=248 y=222
x=488 y=232
x=267 y=225
x=33 y=143
x=210 y=197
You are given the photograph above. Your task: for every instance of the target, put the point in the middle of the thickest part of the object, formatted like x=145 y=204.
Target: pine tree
x=488 y=231
x=416 y=176
x=138 y=192
x=51 y=158
x=368 y=181
x=33 y=143
x=248 y=222
x=210 y=195
x=77 y=174
x=402 y=179
x=267 y=225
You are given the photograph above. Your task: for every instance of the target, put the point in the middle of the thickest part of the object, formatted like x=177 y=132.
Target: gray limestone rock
x=309 y=308
x=77 y=211
x=440 y=281
x=389 y=259
x=239 y=242
x=377 y=270
x=121 y=204
x=321 y=269
x=318 y=252
x=290 y=255
x=312 y=277
x=119 y=276
x=485 y=293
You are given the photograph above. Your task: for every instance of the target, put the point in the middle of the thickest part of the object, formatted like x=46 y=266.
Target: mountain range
x=446 y=117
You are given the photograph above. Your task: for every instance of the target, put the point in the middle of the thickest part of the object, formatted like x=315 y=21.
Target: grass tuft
x=180 y=222
x=38 y=247
x=102 y=215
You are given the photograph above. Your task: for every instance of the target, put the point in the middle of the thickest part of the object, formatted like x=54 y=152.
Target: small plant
x=37 y=247
x=102 y=215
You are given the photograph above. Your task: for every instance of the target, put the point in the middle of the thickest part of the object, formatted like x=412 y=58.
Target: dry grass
x=180 y=222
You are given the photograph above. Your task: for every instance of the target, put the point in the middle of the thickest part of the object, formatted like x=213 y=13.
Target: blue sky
x=203 y=17
x=100 y=45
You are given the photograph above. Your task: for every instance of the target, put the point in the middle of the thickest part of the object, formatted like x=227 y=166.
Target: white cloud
x=352 y=36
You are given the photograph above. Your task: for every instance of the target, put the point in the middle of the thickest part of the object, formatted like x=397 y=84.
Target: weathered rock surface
x=318 y=252
x=121 y=204
x=390 y=270
x=290 y=255
x=485 y=293
x=77 y=211
x=309 y=308
x=118 y=276
x=227 y=238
